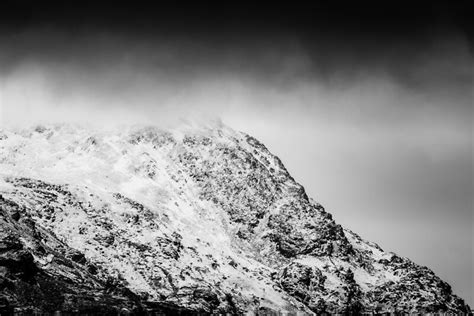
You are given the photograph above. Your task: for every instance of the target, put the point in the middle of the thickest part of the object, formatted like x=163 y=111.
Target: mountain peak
x=197 y=218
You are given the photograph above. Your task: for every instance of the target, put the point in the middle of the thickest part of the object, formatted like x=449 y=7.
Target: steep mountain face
x=194 y=220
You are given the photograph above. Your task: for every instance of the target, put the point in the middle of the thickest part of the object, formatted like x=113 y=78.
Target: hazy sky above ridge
x=374 y=118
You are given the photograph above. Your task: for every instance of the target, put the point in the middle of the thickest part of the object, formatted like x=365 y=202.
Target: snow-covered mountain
x=191 y=220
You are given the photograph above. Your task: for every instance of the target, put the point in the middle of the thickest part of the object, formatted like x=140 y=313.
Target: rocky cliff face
x=194 y=220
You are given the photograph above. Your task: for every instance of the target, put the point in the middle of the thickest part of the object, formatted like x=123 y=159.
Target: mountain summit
x=194 y=220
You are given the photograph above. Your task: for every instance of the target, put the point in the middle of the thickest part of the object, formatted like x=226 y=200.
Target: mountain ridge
x=197 y=219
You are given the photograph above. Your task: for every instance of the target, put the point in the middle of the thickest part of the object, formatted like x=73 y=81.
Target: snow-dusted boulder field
x=191 y=220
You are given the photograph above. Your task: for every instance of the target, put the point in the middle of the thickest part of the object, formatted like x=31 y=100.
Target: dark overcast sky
x=392 y=16
x=368 y=105
x=339 y=40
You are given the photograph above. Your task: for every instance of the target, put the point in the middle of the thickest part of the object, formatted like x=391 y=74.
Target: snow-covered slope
x=195 y=219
